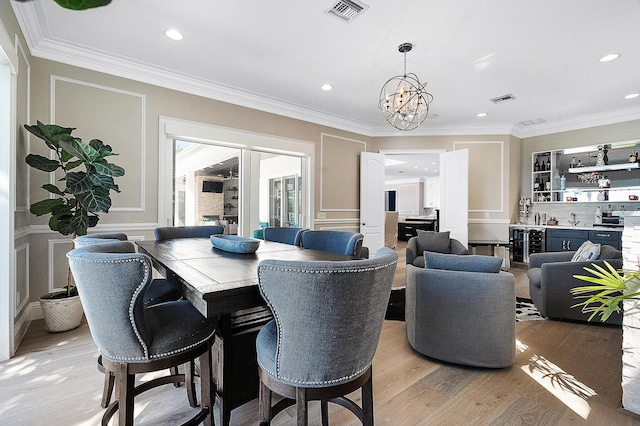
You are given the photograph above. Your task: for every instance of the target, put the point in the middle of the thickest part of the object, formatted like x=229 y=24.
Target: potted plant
x=610 y=287
x=86 y=179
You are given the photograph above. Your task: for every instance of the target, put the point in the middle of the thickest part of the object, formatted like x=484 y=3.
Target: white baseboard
x=35 y=311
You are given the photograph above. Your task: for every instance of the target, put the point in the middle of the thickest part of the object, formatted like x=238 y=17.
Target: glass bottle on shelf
x=573 y=162
x=563 y=182
x=536 y=185
x=633 y=158
x=536 y=166
x=548 y=163
x=556 y=181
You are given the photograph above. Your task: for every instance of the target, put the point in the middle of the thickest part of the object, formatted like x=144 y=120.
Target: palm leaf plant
x=83 y=190
x=609 y=287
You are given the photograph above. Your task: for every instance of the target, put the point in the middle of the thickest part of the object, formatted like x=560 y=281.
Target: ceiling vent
x=532 y=122
x=347 y=10
x=503 y=98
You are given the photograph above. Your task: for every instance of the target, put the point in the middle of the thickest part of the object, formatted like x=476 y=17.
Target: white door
x=454 y=194
x=372 y=200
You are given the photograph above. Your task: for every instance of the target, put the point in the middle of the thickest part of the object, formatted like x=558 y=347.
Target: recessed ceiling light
x=481 y=114
x=610 y=57
x=632 y=95
x=326 y=87
x=173 y=34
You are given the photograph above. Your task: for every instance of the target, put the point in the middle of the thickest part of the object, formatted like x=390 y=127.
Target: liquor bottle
x=573 y=162
x=633 y=158
x=548 y=165
x=598 y=216
x=563 y=182
x=536 y=166
x=536 y=185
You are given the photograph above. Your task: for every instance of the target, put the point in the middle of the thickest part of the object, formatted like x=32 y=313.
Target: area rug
x=525 y=309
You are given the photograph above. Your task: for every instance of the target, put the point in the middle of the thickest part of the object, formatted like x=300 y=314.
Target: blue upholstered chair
x=285 y=235
x=133 y=339
x=159 y=291
x=321 y=351
x=343 y=242
x=169 y=232
x=461 y=309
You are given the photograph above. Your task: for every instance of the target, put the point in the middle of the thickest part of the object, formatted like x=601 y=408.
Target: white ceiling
x=274 y=56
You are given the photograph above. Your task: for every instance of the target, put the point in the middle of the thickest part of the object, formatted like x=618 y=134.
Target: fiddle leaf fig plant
x=85 y=183
x=609 y=288
x=82 y=4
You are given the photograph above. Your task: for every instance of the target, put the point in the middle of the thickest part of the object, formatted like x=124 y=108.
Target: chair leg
x=174 y=372
x=367 y=402
x=301 y=407
x=125 y=391
x=264 y=407
x=189 y=382
x=109 y=382
x=207 y=388
x=324 y=409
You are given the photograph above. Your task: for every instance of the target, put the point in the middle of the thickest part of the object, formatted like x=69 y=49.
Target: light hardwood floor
x=565 y=373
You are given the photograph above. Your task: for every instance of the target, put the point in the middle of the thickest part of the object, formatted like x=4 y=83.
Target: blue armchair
x=461 y=309
x=321 y=351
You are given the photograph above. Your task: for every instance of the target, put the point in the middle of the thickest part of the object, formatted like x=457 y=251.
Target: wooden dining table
x=224 y=285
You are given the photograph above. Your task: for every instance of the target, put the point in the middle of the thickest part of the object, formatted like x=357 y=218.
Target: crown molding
x=576 y=123
x=41 y=45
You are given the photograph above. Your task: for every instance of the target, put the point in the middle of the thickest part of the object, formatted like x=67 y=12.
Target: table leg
x=234 y=357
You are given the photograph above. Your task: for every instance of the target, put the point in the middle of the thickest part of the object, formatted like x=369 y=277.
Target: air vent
x=532 y=122
x=347 y=10
x=503 y=98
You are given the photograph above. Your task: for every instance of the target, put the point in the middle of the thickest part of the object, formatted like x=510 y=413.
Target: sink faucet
x=573 y=220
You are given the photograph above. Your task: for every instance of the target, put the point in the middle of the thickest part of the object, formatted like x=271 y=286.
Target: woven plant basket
x=61 y=314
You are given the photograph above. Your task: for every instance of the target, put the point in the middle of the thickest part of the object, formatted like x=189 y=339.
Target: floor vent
x=347 y=10
x=503 y=98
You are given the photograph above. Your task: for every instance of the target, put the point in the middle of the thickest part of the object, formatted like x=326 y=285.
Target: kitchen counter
x=580 y=227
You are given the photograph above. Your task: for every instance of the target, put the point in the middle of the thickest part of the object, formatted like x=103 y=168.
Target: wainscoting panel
x=121 y=116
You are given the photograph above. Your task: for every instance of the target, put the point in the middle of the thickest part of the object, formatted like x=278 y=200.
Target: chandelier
x=403 y=100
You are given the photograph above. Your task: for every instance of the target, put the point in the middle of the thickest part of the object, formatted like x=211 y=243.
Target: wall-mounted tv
x=211 y=186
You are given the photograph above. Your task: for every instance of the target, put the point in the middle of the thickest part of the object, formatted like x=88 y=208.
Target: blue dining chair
x=159 y=291
x=170 y=232
x=284 y=235
x=343 y=242
x=134 y=339
x=328 y=317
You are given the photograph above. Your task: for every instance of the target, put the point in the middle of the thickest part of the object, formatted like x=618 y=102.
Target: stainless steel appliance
x=525 y=241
